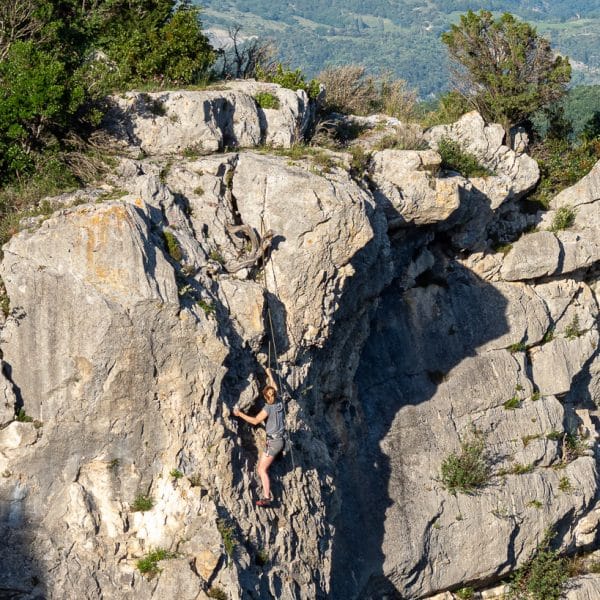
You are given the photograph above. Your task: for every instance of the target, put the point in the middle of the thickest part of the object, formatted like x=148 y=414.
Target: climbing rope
x=275 y=353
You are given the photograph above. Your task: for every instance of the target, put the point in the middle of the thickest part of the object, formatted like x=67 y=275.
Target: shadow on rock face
x=417 y=337
x=19 y=578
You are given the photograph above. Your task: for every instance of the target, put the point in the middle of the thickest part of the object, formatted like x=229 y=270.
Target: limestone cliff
x=139 y=317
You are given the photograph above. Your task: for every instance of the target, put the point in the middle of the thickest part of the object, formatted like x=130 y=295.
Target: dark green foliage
x=504 y=68
x=37 y=102
x=173 y=247
x=561 y=165
x=543 y=576
x=142 y=503
x=149 y=41
x=266 y=100
x=454 y=158
x=176 y=474
x=465 y=593
x=468 y=470
x=207 y=307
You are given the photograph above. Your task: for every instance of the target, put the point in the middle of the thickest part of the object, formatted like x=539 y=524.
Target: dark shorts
x=274 y=446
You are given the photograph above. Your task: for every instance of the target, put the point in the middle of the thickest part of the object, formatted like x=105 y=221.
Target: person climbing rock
x=273 y=412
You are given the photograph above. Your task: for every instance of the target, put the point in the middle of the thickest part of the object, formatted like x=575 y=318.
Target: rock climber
x=273 y=412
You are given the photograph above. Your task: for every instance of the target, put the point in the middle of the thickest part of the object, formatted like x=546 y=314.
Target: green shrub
x=227 y=532
x=217 y=593
x=554 y=436
x=359 y=161
x=163 y=43
x=535 y=504
x=293 y=80
x=176 y=474
x=517 y=347
x=142 y=503
x=454 y=158
x=466 y=593
x=548 y=336
x=149 y=564
x=542 y=577
x=572 y=330
x=563 y=219
x=561 y=165
x=406 y=139
x=173 y=247
x=512 y=403
x=22 y=417
x=468 y=470
x=564 y=485
x=266 y=100
x=449 y=108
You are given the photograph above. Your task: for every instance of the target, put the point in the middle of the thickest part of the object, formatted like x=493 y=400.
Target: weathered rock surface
x=407 y=179
x=207 y=121
x=131 y=338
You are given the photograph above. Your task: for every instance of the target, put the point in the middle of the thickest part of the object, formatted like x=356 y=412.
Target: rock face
x=133 y=331
x=201 y=122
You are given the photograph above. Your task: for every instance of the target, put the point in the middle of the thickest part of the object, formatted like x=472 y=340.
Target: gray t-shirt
x=274 y=425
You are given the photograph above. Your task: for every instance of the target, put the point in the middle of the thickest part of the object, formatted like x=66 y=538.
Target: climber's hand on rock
x=236 y=412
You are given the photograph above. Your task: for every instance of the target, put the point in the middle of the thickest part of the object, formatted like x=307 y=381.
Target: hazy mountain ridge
x=402 y=37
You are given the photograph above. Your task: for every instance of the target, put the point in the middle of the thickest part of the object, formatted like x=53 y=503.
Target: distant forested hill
x=401 y=36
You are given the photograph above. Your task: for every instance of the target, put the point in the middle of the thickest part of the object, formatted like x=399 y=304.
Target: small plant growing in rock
x=199 y=190
x=572 y=330
x=563 y=219
x=207 y=307
x=543 y=576
x=535 y=504
x=517 y=347
x=227 y=535
x=359 y=163
x=173 y=247
x=573 y=447
x=266 y=100
x=216 y=256
x=454 y=158
x=536 y=396
x=23 y=417
x=149 y=564
x=217 y=593
x=512 y=403
x=466 y=593
x=564 y=485
x=142 y=503
x=262 y=557
x=528 y=438
x=4 y=299
x=554 y=435
x=176 y=474
x=548 y=336
x=467 y=470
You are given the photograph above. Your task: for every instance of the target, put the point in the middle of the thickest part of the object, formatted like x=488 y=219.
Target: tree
x=503 y=68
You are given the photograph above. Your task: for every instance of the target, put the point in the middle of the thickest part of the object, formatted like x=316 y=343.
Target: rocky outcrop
x=130 y=338
x=201 y=122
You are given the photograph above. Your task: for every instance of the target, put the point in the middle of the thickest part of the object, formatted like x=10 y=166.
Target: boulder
x=201 y=122
x=407 y=179
x=533 y=255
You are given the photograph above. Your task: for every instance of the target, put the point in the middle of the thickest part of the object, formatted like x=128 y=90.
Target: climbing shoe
x=263 y=502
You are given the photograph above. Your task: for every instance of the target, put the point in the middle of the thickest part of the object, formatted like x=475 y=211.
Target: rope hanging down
x=272 y=341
